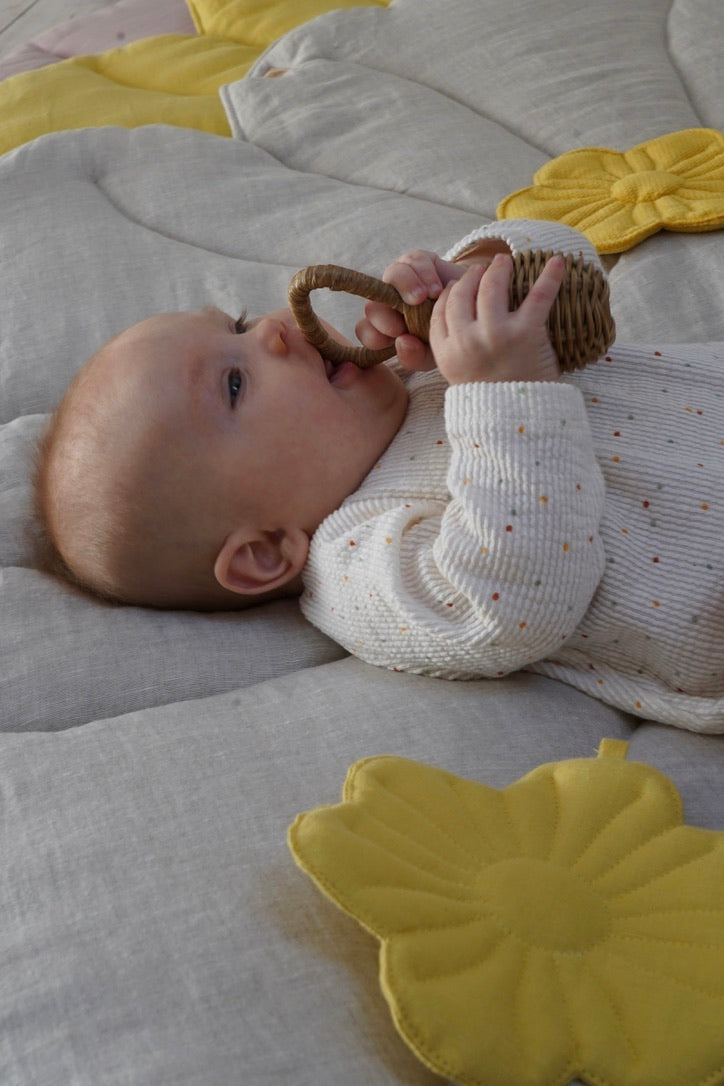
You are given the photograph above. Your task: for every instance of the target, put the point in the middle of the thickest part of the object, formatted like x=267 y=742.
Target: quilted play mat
x=155 y=927
x=616 y=196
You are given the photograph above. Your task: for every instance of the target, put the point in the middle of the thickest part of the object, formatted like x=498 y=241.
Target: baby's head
x=194 y=456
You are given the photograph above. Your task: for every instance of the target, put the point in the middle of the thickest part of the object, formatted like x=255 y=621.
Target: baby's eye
x=240 y=323
x=236 y=382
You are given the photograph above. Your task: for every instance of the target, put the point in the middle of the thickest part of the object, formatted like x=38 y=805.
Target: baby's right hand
x=416 y=275
x=475 y=337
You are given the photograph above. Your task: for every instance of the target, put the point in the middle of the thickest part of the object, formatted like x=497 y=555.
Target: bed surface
x=155 y=929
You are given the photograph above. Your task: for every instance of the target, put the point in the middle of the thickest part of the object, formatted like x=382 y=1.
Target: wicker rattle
x=580 y=324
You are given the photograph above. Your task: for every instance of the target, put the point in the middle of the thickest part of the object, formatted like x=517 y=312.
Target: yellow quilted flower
x=568 y=925
x=619 y=198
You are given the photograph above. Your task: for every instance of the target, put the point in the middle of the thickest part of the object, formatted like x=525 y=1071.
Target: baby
x=462 y=513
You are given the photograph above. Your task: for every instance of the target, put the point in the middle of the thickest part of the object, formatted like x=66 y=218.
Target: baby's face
x=257 y=416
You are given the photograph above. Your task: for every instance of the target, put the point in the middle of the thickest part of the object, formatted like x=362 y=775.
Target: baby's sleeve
x=521 y=235
x=495 y=576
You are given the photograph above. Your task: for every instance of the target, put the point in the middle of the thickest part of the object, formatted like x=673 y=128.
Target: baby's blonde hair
x=51 y=514
x=100 y=523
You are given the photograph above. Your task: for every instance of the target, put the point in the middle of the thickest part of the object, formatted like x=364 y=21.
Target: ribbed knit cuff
x=521 y=235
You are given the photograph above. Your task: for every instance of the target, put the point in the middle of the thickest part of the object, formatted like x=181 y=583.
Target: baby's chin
x=393 y=397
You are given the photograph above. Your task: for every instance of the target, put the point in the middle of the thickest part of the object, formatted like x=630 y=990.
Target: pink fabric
x=107 y=28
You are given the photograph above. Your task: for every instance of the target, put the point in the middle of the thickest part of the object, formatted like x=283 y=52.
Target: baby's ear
x=262 y=562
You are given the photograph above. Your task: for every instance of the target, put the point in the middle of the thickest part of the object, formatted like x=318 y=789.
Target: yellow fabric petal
x=592 y=166
x=619 y=198
x=260 y=22
x=502 y=979
x=419 y=842
x=591 y=845
x=650 y=1012
x=570 y=926
x=169 y=80
x=687 y=152
x=446 y=812
x=385 y=891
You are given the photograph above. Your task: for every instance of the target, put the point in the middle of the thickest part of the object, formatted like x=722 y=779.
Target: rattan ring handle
x=333 y=277
x=580 y=323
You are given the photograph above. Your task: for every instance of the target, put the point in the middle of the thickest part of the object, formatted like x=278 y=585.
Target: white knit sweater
x=574 y=529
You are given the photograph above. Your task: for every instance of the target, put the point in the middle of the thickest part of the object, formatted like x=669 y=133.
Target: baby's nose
x=271 y=332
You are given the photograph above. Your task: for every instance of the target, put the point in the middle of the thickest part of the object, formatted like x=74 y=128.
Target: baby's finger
x=461 y=303
x=438 y=318
x=371 y=337
x=415 y=277
x=537 y=304
x=382 y=319
x=493 y=291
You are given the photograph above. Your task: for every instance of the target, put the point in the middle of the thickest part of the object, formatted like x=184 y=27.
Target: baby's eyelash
x=240 y=323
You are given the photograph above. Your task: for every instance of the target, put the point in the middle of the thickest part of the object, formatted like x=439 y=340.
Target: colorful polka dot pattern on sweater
x=575 y=529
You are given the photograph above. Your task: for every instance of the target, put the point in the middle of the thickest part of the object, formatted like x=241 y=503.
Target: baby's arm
x=488 y=577
x=493 y=568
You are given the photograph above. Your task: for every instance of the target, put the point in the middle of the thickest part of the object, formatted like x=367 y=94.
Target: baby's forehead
x=152 y=371
x=140 y=343
x=150 y=329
